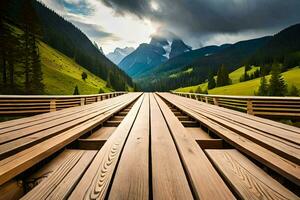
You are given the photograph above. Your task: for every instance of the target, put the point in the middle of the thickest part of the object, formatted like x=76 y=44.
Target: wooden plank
x=122 y=113
x=183 y=118
x=247 y=180
x=112 y=123
x=265 y=125
x=246 y=116
x=102 y=134
x=132 y=174
x=198 y=134
x=46 y=170
x=203 y=177
x=17 y=122
x=279 y=164
x=210 y=144
x=166 y=183
x=286 y=148
x=60 y=183
x=190 y=123
x=12 y=190
x=88 y=144
x=6 y=137
x=40 y=119
x=95 y=182
x=14 y=165
x=14 y=146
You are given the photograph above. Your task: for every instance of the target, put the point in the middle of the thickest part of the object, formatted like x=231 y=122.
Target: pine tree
x=277 y=84
x=37 y=74
x=263 y=88
x=135 y=87
x=198 y=90
x=246 y=76
x=293 y=91
x=223 y=77
x=84 y=76
x=31 y=61
x=76 y=90
x=211 y=81
x=108 y=81
x=10 y=53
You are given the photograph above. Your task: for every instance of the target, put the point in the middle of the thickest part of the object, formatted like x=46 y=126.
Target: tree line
x=276 y=86
x=20 y=60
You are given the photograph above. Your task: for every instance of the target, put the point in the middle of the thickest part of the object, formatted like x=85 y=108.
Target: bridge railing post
x=250 y=107
x=215 y=100
x=52 y=105
x=82 y=101
x=206 y=100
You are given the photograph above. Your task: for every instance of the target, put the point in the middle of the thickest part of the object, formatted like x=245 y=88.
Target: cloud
x=81 y=7
x=205 y=18
x=95 y=31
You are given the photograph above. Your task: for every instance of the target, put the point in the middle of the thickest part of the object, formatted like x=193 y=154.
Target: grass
x=247 y=87
x=61 y=74
x=236 y=75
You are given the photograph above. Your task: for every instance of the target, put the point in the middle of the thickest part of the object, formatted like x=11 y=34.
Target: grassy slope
x=248 y=87
x=61 y=74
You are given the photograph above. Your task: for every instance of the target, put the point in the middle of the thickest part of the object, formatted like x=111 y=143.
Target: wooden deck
x=148 y=146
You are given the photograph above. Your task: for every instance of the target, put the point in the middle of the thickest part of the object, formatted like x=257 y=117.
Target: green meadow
x=61 y=74
x=292 y=77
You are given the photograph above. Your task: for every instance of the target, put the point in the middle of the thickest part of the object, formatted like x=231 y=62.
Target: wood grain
x=202 y=175
x=248 y=180
x=279 y=164
x=168 y=177
x=95 y=182
x=132 y=176
x=23 y=160
x=63 y=179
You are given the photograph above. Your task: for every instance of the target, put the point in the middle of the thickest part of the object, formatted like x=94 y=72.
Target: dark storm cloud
x=204 y=17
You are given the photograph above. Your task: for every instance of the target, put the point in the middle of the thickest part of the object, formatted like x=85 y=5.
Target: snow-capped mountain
x=119 y=54
x=147 y=56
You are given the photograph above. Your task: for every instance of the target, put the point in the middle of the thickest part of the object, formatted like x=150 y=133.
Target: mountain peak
x=159 y=41
x=178 y=47
x=119 y=53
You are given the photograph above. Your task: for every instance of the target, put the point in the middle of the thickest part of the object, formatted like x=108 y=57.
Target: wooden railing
x=35 y=104
x=270 y=107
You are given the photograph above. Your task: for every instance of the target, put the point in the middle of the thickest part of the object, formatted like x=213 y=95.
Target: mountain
x=185 y=59
x=178 y=47
x=148 y=56
x=284 y=47
x=195 y=72
x=69 y=40
x=119 y=54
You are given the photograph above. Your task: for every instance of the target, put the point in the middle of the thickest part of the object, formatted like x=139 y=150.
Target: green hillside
x=247 y=87
x=61 y=74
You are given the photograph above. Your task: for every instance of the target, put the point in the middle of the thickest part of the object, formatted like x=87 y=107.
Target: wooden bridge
x=148 y=146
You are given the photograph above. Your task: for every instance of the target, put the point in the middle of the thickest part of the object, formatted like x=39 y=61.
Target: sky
x=128 y=23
